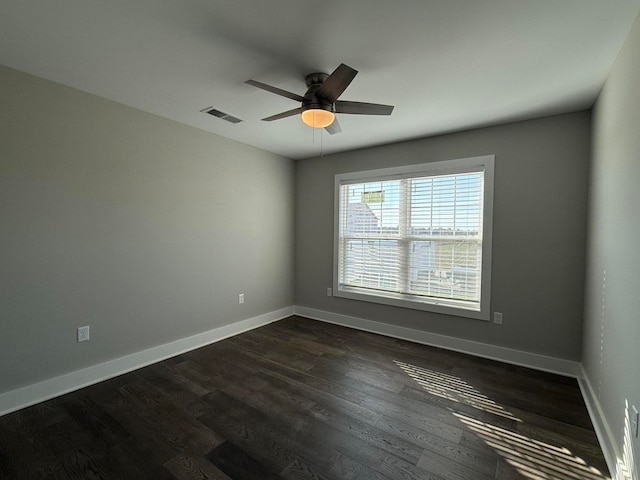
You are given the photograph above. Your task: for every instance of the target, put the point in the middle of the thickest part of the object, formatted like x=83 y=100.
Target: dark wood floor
x=300 y=399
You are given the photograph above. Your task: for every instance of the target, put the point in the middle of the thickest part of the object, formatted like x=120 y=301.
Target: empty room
x=259 y=240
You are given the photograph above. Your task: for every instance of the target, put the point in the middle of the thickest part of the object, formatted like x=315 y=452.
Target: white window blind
x=415 y=237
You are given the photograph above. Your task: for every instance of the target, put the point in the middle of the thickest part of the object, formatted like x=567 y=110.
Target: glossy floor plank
x=300 y=399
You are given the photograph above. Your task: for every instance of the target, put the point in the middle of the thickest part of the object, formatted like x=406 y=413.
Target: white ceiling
x=446 y=65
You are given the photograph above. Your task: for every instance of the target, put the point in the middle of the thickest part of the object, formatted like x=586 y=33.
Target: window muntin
x=417 y=236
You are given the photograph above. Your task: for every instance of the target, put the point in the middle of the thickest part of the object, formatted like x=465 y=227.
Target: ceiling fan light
x=318 y=118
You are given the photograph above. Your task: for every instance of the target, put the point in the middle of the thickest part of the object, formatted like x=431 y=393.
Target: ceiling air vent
x=224 y=116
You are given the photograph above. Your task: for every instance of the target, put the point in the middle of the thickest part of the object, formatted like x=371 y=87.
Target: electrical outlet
x=329 y=292
x=83 y=334
x=241 y=298
x=497 y=318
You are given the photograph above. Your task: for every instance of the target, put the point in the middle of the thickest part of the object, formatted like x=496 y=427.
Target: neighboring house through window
x=417 y=236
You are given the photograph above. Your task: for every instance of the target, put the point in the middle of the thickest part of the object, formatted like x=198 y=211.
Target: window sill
x=447 y=307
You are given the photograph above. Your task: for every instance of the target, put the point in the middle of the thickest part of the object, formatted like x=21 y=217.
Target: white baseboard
x=516 y=357
x=47 y=389
x=600 y=425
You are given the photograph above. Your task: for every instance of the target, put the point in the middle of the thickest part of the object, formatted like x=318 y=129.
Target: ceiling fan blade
x=288 y=113
x=334 y=127
x=362 y=108
x=276 y=90
x=336 y=83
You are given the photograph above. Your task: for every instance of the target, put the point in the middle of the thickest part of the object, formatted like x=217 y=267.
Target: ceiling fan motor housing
x=311 y=100
x=316 y=111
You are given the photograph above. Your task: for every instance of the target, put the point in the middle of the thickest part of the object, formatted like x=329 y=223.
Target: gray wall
x=540 y=213
x=140 y=227
x=611 y=355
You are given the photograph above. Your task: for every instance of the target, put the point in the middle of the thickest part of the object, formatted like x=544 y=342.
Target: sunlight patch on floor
x=533 y=459
x=453 y=388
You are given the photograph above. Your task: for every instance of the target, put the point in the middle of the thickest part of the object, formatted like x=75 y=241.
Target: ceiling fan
x=320 y=103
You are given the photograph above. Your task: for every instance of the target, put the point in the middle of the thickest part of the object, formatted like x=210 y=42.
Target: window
x=417 y=236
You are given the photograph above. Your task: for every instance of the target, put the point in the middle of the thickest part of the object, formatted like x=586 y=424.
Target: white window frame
x=485 y=163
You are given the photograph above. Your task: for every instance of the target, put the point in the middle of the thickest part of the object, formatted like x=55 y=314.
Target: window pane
x=371 y=264
x=456 y=271
x=371 y=208
x=447 y=205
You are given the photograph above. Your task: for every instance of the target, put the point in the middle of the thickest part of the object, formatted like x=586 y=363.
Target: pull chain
x=313 y=136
